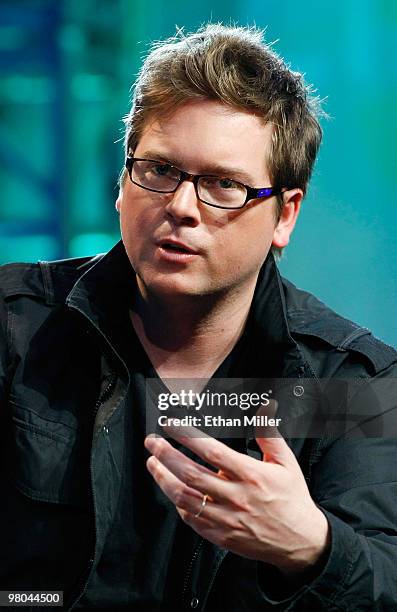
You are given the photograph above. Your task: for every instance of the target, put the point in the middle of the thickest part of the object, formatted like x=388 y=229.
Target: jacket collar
x=103 y=294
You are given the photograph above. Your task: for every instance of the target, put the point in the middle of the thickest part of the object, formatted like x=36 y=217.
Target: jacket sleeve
x=355 y=485
x=4 y=357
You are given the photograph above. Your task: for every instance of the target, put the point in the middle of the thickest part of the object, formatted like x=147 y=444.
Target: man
x=220 y=145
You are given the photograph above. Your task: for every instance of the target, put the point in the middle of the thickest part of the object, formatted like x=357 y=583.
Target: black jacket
x=63 y=378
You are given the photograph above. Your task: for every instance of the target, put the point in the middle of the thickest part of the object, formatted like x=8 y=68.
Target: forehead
x=199 y=133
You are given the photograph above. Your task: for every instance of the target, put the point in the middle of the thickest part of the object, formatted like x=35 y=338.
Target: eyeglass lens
x=211 y=189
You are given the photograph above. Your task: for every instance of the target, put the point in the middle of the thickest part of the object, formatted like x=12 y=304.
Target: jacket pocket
x=47 y=461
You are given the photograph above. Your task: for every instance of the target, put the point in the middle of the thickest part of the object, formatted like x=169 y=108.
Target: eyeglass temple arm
x=263 y=192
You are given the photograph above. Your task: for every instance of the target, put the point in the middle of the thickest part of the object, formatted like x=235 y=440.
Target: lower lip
x=175 y=256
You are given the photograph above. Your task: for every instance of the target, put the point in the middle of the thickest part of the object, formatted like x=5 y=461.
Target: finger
x=268 y=412
x=203 y=524
x=270 y=441
x=184 y=497
x=172 y=487
x=217 y=532
x=189 y=472
x=276 y=450
x=233 y=464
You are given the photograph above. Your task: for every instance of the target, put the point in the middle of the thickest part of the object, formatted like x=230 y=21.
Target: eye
x=226 y=183
x=161 y=169
x=214 y=182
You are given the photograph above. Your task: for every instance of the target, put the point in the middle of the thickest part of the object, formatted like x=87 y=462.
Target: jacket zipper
x=106 y=394
x=102 y=398
x=190 y=568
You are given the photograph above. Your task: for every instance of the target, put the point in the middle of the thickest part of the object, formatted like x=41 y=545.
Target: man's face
x=203 y=137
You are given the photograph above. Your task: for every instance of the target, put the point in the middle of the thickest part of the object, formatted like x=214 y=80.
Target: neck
x=190 y=337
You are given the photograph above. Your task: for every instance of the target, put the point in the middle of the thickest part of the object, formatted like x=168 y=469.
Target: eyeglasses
x=217 y=191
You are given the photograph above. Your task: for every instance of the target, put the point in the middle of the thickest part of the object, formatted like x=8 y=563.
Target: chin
x=165 y=285
x=173 y=289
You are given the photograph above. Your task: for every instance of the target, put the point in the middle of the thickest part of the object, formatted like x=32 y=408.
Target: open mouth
x=176 y=248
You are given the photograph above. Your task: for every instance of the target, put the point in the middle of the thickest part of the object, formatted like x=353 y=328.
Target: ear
x=118 y=203
x=292 y=201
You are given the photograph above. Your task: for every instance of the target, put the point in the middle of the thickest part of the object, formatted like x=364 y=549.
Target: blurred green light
x=72 y=38
x=27 y=89
x=11 y=37
x=84 y=245
x=91 y=87
x=28 y=248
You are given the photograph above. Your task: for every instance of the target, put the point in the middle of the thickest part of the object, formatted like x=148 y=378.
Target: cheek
x=238 y=254
x=248 y=240
x=260 y=232
x=133 y=227
x=138 y=217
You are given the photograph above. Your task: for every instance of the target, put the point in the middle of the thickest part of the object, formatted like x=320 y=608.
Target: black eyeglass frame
x=252 y=192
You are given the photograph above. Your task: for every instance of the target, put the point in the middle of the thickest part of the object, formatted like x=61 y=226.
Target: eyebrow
x=217 y=169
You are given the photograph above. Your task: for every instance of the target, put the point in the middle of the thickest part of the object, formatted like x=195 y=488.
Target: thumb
x=275 y=450
x=269 y=439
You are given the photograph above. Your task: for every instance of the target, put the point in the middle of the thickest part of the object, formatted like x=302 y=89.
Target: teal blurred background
x=66 y=68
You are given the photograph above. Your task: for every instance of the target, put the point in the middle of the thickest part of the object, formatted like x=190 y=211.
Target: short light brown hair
x=235 y=66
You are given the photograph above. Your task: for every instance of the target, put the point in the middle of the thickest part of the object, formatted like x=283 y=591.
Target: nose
x=183 y=205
